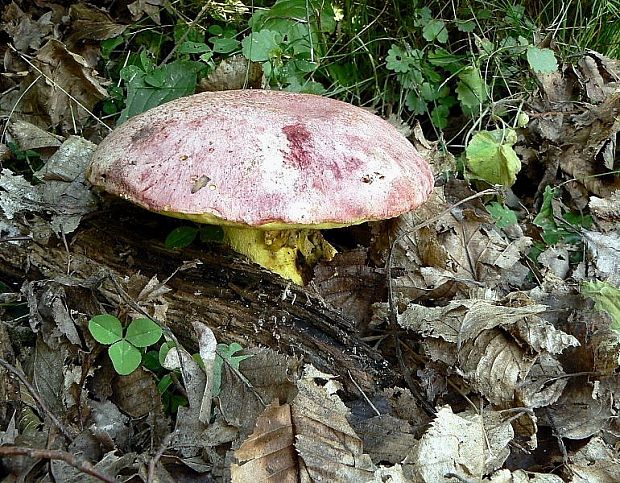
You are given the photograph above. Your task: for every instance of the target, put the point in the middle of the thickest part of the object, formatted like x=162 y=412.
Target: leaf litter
x=508 y=340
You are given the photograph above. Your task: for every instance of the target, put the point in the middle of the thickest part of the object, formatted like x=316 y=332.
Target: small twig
x=52 y=454
x=6 y=239
x=70 y=435
x=165 y=444
x=374 y=408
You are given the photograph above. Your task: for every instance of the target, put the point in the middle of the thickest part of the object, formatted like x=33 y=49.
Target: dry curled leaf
x=268 y=454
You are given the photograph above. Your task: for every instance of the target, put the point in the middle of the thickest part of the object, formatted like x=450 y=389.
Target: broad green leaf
x=542 y=60
x=181 y=237
x=415 y=104
x=143 y=332
x=261 y=46
x=490 y=157
x=435 y=30
x=164 y=383
x=224 y=45
x=125 y=357
x=471 y=90
x=606 y=298
x=105 y=329
x=160 y=85
x=502 y=215
x=150 y=361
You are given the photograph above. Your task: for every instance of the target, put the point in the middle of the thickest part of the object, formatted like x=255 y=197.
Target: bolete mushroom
x=272 y=168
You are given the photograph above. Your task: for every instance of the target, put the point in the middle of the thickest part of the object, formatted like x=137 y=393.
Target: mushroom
x=272 y=168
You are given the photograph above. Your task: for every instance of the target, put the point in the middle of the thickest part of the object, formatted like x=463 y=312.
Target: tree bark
x=237 y=300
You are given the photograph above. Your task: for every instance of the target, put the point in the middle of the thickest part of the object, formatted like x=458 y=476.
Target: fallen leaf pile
x=506 y=336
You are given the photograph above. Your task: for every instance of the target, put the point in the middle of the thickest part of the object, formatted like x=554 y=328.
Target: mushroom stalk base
x=289 y=253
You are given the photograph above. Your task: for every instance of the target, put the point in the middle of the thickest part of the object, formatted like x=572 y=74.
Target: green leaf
x=465 y=25
x=398 y=60
x=606 y=298
x=211 y=233
x=164 y=384
x=542 y=60
x=125 y=357
x=439 y=116
x=415 y=104
x=143 y=332
x=224 y=45
x=181 y=237
x=163 y=84
x=105 y=329
x=108 y=46
x=490 y=157
x=226 y=353
x=150 y=361
x=189 y=47
x=164 y=349
x=471 y=90
x=261 y=46
x=502 y=215
x=435 y=30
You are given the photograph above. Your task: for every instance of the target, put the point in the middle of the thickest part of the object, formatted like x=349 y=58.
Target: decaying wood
x=237 y=300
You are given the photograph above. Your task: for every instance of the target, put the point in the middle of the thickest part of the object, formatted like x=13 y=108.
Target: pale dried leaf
x=269 y=453
x=521 y=476
x=88 y=22
x=556 y=260
x=207 y=345
x=596 y=462
x=604 y=251
x=328 y=448
x=607 y=211
x=29 y=136
x=453 y=445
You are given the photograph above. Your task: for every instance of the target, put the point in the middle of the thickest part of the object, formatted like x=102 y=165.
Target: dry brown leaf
x=328 y=448
x=136 y=394
x=504 y=369
x=596 y=462
x=24 y=32
x=268 y=454
x=235 y=72
x=583 y=409
x=262 y=378
x=459 y=253
x=70 y=86
x=386 y=439
x=349 y=285
x=88 y=22
x=29 y=136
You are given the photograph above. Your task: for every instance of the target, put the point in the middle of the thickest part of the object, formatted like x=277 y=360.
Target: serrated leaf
x=439 y=116
x=502 y=215
x=143 y=332
x=471 y=90
x=542 y=61
x=125 y=357
x=490 y=157
x=105 y=329
x=261 y=46
x=398 y=60
x=181 y=237
x=606 y=298
x=415 y=104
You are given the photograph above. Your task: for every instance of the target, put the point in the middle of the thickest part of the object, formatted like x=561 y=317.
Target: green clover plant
x=124 y=350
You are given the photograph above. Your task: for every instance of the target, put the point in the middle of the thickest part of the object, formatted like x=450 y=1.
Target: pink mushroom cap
x=266 y=159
